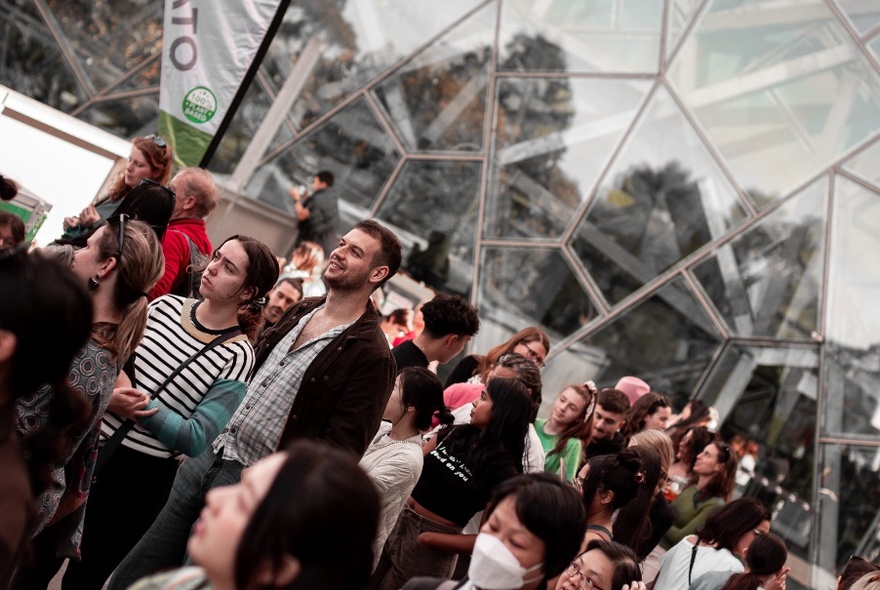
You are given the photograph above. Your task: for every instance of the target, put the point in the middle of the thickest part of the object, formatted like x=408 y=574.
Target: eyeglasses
x=158 y=140
x=585 y=582
x=534 y=356
x=151 y=182
x=122 y=218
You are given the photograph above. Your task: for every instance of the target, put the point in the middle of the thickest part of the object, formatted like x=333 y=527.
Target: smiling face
x=592 y=569
x=137 y=168
x=225 y=274
x=351 y=265
x=568 y=408
x=217 y=533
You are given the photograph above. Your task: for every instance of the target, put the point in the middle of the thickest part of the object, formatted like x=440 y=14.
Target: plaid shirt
x=254 y=431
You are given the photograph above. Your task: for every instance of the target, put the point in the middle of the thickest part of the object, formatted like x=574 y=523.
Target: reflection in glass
x=621 y=36
x=553 y=137
x=111 y=38
x=667 y=340
x=864 y=164
x=853 y=322
x=29 y=48
x=663 y=198
x=864 y=15
x=433 y=208
x=779 y=95
x=533 y=286
x=766 y=282
x=125 y=117
x=351 y=144
x=768 y=395
x=437 y=101
x=244 y=125
x=849 y=509
x=362 y=39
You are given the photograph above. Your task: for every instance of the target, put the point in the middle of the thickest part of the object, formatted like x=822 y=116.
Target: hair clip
x=640 y=477
x=591 y=387
x=260 y=301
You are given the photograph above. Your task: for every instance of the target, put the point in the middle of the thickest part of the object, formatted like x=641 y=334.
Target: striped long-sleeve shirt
x=198 y=403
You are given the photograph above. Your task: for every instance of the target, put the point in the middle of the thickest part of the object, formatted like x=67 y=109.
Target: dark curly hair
x=450 y=314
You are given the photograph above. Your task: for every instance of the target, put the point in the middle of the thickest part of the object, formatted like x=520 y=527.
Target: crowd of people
x=175 y=415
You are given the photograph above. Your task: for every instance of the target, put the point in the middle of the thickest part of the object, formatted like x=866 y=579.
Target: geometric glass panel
x=662 y=199
x=667 y=340
x=125 y=116
x=32 y=63
x=680 y=13
x=554 y=136
x=874 y=47
x=437 y=101
x=351 y=144
x=564 y=36
x=768 y=396
x=243 y=127
x=767 y=281
x=865 y=15
x=432 y=207
x=109 y=39
x=361 y=39
x=849 y=509
x=781 y=90
x=864 y=164
x=852 y=334
x=535 y=286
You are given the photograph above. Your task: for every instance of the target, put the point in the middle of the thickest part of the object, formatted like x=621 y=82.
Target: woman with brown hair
x=568 y=429
x=151 y=158
x=650 y=412
x=530 y=342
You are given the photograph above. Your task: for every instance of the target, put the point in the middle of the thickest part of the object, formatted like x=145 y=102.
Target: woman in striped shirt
x=187 y=414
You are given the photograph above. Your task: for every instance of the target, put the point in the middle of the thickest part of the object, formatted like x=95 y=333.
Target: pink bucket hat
x=633 y=387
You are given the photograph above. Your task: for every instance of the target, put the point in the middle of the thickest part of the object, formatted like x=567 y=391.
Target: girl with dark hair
x=650 y=412
x=609 y=482
x=45 y=319
x=152 y=203
x=533 y=529
x=765 y=569
x=634 y=527
x=151 y=157
x=120 y=263
x=568 y=430
x=394 y=459
x=173 y=413
x=710 y=487
x=462 y=466
x=717 y=546
x=11 y=230
x=605 y=565
x=689 y=447
x=250 y=535
x=530 y=342
x=694 y=414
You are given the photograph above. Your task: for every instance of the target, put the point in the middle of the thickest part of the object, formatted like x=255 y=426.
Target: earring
x=93 y=283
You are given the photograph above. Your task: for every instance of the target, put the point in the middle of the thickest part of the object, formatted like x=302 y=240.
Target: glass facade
x=683 y=190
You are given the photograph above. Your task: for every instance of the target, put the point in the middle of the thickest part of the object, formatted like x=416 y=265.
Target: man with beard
x=285 y=293
x=323 y=371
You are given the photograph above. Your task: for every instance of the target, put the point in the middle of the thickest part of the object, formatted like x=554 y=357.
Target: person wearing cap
x=633 y=387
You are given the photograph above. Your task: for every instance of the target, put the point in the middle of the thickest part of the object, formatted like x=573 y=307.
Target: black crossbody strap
x=117 y=437
x=693 y=559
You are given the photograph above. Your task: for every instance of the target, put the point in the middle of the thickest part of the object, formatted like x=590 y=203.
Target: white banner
x=207 y=48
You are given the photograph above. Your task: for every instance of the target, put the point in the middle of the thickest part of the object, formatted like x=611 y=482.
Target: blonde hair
x=660 y=442
x=138 y=269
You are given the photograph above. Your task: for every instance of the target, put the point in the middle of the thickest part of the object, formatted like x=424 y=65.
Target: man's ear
x=379 y=274
x=8 y=344
x=285 y=572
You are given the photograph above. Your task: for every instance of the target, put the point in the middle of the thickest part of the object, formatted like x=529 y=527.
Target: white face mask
x=494 y=567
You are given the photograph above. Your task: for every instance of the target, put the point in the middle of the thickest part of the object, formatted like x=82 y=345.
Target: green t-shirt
x=565 y=464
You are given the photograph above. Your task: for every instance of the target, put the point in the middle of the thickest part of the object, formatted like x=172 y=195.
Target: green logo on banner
x=199 y=105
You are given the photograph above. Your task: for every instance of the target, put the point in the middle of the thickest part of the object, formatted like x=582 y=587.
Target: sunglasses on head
x=157 y=139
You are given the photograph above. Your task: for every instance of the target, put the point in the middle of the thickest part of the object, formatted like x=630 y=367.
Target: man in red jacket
x=194 y=188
